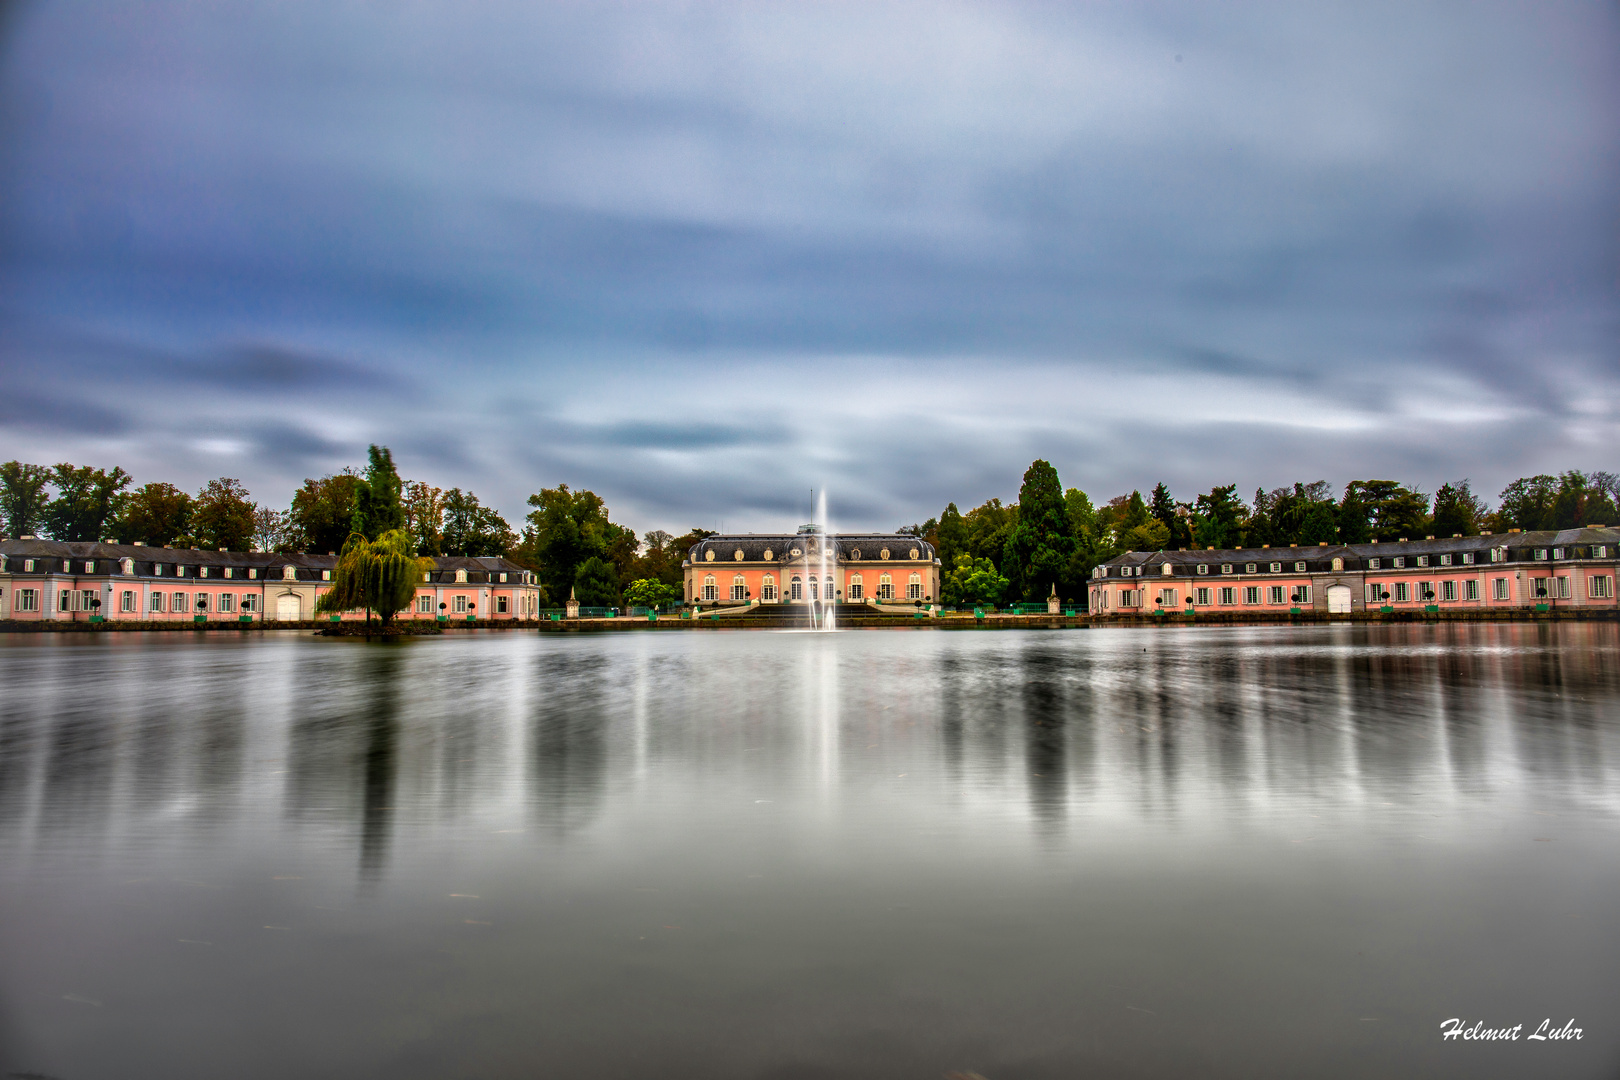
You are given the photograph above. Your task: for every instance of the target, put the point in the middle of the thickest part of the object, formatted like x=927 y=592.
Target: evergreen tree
x=23 y=498
x=1394 y=511
x=1038 y=549
x=1163 y=509
x=952 y=534
x=377 y=496
x=1457 y=511
x=1217 y=517
x=1318 y=526
x=1355 y=526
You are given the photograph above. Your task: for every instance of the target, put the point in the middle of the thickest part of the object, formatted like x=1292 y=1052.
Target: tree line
x=1054 y=537
x=994 y=553
x=567 y=538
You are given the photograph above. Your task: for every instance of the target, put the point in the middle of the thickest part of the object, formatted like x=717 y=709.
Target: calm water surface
x=1216 y=853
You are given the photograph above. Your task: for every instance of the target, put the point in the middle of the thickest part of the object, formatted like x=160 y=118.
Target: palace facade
x=810 y=566
x=76 y=582
x=1528 y=570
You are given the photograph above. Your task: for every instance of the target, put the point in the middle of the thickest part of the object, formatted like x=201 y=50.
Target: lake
x=1214 y=852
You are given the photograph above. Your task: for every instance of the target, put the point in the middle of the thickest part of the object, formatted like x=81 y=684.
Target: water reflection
x=749 y=832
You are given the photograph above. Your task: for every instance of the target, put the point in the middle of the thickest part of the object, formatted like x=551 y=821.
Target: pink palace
x=1541 y=571
x=79 y=582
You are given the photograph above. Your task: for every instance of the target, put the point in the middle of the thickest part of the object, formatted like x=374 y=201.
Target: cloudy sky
x=705 y=258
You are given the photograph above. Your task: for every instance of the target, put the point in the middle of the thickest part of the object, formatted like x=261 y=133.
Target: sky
x=705 y=259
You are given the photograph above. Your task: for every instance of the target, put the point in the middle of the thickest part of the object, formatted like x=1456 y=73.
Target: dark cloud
x=699 y=258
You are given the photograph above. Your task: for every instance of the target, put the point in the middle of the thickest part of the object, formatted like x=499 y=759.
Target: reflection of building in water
x=1535 y=570
x=51 y=580
x=809 y=566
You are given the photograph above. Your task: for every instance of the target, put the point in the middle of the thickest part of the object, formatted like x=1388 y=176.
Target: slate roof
x=1520 y=545
x=269 y=563
x=754 y=546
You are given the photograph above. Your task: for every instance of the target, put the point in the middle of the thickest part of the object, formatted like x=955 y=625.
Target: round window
x=709 y=555
x=914 y=553
x=769 y=555
x=738 y=555
x=884 y=554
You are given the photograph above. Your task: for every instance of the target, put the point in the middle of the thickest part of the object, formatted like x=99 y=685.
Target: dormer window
x=253 y=572
x=1203 y=568
x=1541 y=553
x=28 y=565
x=1423 y=560
x=227 y=571
x=1299 y=568
x=157 y=569
x=1226 y=568
x=1468 y=558
x=202 y=571
x=289 y=573
x=1398 y=562
x=1599 y=551
x=1558 y=553
x=89 y=567
x=1249 y=568
x=1373 y=564
x=1276 y=568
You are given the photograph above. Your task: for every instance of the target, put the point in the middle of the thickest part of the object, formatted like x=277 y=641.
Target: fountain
x=822 y=596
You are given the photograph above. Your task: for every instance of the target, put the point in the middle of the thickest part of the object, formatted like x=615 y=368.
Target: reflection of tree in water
x=571 y=706
x=381 y=688
x=1045 y=734
x=345 y=742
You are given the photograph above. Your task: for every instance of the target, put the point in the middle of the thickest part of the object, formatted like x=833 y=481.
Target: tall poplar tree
x=1037 y=552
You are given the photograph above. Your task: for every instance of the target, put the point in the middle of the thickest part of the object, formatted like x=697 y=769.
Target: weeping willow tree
x=379 y=575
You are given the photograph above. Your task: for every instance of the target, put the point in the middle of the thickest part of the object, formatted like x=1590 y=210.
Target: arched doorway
x=1338 y=598
x=287 y=608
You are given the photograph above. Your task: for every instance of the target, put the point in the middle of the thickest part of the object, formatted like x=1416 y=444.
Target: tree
x=1457 y=510
x=1151 y=535
x=973 y=581
x=1217 y=517
x=1355 y=524
x=84 y=501
x=1036 y=553
x=650 y=593
x=272 y=530
x=23 y=498
x=953 y=536
x=567 y=528
x=1527 y=503
x=1579 y=503
x=155 y=514
x=1318 y=526
x=323 y=510
x=1395 y=511
x=473 y=529
x=1166 y=511
x=424 y=516
x=596 y=583
x=376 y=498
x=222 y=516
x=378 y=575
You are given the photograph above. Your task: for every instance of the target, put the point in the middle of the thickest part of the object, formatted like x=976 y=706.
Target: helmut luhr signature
x=1459 y=1029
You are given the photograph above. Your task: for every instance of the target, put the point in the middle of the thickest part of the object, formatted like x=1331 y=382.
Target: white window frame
x=1228 y=595
x=1499 y=589
x=1599 y=586
x=155 y=602
x=1471 y=589
x=126 y=600
x=1251 y=594
x=739 y=587
x=27 y=599
x=711 y=589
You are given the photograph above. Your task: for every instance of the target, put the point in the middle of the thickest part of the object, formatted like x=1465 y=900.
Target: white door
x=287 y=608
x=1338 y=597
